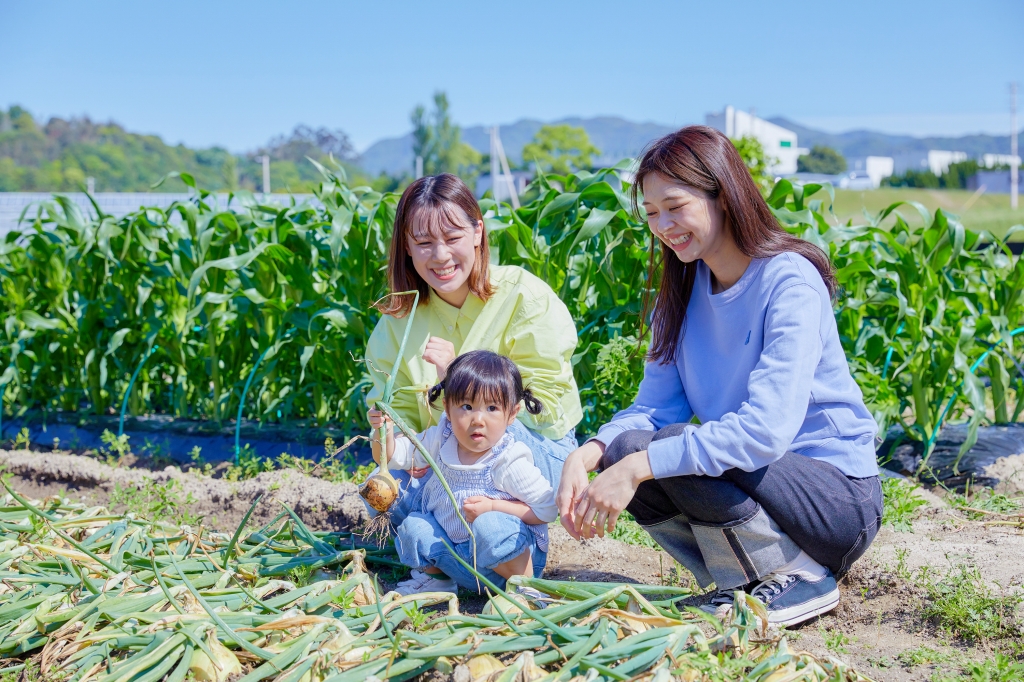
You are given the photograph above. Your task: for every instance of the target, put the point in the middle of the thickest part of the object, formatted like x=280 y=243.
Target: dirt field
x=879 y=626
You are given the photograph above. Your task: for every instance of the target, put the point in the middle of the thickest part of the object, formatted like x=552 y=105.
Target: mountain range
x=618 y=138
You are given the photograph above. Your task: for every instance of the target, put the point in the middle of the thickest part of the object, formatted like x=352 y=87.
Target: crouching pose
x=774 y=490
x=502 y=494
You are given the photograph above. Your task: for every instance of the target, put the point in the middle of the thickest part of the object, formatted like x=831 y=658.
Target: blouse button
x=449 y=327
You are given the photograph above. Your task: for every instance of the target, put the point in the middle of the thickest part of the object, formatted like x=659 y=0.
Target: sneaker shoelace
x=724 y=596
x=772 y=587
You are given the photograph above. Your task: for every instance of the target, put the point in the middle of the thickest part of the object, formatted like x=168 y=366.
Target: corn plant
x=917 y=307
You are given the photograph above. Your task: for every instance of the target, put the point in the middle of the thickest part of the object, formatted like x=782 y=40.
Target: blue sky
x=235 y=74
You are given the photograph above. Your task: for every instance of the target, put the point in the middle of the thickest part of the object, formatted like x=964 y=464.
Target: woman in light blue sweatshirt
x=748 y=453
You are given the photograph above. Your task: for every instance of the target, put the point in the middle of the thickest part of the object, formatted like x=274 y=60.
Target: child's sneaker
x=792 y=599
x=424 y=582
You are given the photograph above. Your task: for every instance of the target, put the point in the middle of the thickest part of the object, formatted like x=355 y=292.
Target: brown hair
x=437 y=202
x=705 y=159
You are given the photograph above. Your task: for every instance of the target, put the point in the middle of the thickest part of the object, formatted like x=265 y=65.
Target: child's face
x=478 y=424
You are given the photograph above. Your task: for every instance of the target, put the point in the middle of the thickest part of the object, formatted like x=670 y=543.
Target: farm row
x=263 y=311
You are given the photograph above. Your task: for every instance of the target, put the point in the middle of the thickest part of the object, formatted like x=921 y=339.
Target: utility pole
x=1014 y=162
x=494 y=163
x=266 y=174
x=419 y=167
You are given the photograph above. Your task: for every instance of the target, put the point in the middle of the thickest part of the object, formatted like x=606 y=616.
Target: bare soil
x=879 y=618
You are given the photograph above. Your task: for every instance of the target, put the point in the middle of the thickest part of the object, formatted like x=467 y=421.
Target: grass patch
x=156 y=502
x=922 y=655
x=964 y=606
x=336 y=466
x=900 y=506
x=977 y=505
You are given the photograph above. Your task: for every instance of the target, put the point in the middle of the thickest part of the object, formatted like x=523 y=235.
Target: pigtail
x=435 y=392
x=531 y=402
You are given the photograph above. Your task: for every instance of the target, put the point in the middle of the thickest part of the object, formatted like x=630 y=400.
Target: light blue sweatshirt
x=761 y=366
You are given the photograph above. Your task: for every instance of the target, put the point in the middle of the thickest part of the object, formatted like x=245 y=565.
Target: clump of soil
x=320 y=504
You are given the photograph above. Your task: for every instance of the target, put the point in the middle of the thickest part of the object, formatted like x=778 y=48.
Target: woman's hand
x=609 y=493
x=475 y=506
x=440 y=353
x=574 y=481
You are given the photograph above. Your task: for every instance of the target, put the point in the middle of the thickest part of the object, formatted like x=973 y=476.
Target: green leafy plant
x=900 y=504
x=965 y=606
x=22 y=441
x=116 y=449
x=632 y=533
x=835 y=640
x=156 y=501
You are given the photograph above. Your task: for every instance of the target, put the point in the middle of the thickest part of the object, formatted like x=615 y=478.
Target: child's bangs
x=436 y=219
x=464 y=387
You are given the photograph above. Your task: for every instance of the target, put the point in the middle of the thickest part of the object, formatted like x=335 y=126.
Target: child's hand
x=378 y=418
x=475 y=506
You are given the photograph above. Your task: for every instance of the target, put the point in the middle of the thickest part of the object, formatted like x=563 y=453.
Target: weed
x=901 y=504
x=987 y=503
x=22 y=440
x=835 y=640
x=632 y=533
x=116 y=448
x=157 y=502
x=922 y=655
x=198 y=465
x=300 y=575
x=249 y=465
x=965 y=606
x=159 y=455
x=902 y=570
x=417 y=618
x=998 y=669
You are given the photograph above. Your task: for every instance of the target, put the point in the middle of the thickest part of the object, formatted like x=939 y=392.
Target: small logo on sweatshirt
x=748 y=338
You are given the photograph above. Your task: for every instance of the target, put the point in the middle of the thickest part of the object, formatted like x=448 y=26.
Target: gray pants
x=741 y=526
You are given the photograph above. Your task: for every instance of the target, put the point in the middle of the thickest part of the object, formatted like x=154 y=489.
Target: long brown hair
x=436 y=202
x=705 y=159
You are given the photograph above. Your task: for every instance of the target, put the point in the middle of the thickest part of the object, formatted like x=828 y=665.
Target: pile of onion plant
x=87 y=595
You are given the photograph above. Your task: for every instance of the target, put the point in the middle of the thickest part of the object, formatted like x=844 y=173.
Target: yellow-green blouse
x=523 y=320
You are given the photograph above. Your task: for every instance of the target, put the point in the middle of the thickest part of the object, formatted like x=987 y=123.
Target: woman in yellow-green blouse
x=439 y=247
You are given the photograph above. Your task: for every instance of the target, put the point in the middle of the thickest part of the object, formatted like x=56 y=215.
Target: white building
x=939 y=160
x=993 y=160
x=874 y=167
x=780 y=144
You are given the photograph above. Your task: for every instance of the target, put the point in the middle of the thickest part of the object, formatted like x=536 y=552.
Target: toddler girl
x=502 y=493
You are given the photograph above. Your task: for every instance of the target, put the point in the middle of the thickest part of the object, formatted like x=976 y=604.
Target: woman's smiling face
x=445 y=257
x=687 y=220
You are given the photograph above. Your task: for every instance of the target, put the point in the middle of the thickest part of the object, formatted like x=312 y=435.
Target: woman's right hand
x=575 y=481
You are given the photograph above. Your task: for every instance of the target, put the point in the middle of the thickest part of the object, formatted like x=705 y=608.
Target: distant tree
x=752 y=152
x=560 y=149
x=61 y=154
x=439 y=142
x=312 y=142
x=957 y=174
x=913 y=178
x=822 y=159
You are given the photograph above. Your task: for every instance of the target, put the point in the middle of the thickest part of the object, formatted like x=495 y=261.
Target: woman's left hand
x=440 y=353
x=609 y=493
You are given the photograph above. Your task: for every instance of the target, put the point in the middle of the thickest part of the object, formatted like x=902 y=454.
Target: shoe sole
x=806 y=611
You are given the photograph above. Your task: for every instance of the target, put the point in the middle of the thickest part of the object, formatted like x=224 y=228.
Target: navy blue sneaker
x=791 y=599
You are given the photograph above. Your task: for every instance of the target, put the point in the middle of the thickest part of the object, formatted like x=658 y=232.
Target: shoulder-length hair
x=705 y=159
x=432 y=204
